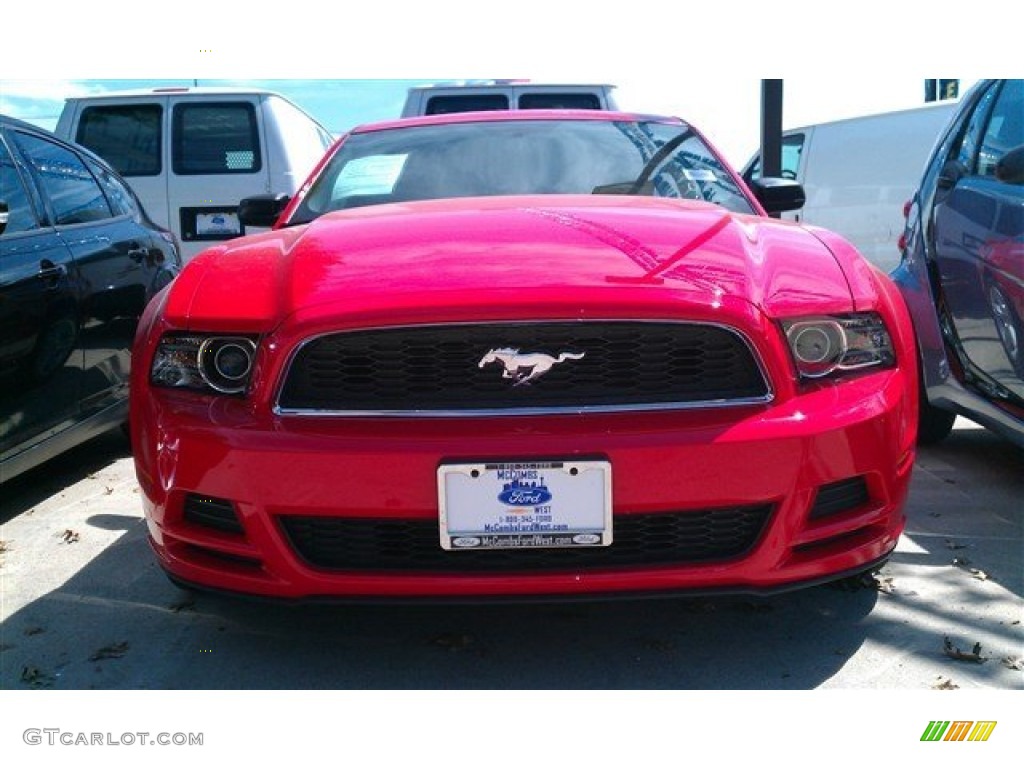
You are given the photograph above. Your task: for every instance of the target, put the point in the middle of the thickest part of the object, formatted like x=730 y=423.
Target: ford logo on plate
x=586 y=538
x=466 y=542
x=519 y=494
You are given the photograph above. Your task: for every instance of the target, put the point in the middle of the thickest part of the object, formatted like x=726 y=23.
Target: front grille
x=603 y=365
x=661 y=539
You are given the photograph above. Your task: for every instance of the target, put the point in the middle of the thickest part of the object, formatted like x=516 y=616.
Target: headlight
x=190 y=361
x=826 y=345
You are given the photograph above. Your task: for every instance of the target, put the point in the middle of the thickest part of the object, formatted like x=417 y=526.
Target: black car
x=962 y=271
x=79 y=260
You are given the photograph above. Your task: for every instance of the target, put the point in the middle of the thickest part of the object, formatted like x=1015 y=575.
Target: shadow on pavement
x=40 y=483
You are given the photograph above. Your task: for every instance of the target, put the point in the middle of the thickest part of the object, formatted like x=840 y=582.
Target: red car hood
x=451 y=258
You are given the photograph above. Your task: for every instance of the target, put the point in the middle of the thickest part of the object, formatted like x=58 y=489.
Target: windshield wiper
x=643 y=180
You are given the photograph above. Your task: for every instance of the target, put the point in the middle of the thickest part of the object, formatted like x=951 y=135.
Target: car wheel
x=1007 y=324
x=934 y=424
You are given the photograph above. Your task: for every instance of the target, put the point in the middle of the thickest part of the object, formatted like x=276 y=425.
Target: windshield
x=521 y=157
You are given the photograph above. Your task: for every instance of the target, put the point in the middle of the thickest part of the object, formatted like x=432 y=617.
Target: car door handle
x=137 y=253
x=50 y=271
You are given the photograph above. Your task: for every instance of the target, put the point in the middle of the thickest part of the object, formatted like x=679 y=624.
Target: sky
x=704 y=63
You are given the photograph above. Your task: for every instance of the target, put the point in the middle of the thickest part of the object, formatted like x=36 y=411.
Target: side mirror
x=4 y=215
x=262 y=210
x=778 y=195
x=1010 y=167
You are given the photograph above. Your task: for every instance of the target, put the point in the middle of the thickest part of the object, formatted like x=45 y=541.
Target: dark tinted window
x=1005 y=129
x=127 y=137
x=118 y=195
x=20 y=216
x=443 y=105
x=219 y=138
x=967 y=151
x=559 y=101
x=73 y=193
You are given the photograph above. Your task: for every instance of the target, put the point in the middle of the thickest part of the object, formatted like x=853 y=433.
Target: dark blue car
x=962 y=271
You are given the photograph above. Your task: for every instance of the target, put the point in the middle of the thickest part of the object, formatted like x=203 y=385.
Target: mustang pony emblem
x=525 y=367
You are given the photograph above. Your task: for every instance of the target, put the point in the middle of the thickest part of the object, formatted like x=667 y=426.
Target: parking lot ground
x=84 y=606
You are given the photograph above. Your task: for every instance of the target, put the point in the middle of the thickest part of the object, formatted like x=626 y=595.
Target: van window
x=559 y=101
x=128 y=137
x=215 y=138
x=484 y=102
x=75 y=195
x=792 y=147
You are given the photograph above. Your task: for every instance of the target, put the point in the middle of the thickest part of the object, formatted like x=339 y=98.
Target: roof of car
x=12 y=122
x=16 y=123
x=495 y=116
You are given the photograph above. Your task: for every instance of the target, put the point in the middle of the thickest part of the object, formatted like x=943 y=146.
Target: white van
x=191 y=154
x=859 y=172
x=500 y=95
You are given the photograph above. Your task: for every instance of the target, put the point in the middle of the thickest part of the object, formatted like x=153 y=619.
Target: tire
x=934 y=424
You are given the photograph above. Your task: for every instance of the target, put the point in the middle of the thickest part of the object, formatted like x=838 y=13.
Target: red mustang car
x=524 y=354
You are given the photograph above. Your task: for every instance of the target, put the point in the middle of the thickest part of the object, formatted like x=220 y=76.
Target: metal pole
x=771 y=127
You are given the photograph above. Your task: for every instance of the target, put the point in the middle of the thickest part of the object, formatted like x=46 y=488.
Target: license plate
x=525 y=505
x=218 y=223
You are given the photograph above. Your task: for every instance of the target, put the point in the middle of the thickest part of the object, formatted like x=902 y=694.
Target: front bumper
x=268 y=469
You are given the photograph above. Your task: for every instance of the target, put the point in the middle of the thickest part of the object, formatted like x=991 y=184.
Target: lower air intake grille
x=671 y=538
x=212 y=513
x=843 y=496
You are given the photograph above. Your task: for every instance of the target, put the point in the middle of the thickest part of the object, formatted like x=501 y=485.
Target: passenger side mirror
x=262 y=210
x=4 y=215
x=778 y=195
x=1010 y=167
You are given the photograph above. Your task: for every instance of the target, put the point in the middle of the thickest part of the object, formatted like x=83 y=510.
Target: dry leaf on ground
x=955 y=653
